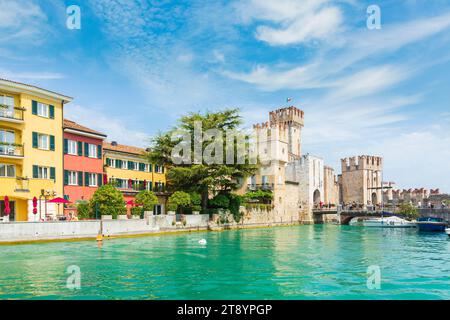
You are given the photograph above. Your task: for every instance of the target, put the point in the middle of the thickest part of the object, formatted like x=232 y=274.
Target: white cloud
x=18 y=76
x=115 y=128
x=21 y=19
x=287 y=22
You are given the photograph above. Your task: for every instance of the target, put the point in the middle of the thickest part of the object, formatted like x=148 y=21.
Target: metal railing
x=264 y=186
x=15 y=114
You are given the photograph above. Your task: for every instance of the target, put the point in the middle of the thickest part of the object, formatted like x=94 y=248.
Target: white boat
x=447 y=231
x=384 y=222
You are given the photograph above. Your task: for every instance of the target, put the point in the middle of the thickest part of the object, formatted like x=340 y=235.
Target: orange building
x=83 y=162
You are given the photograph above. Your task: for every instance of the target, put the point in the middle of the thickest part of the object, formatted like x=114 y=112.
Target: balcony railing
x=264 y=186
x=15 y=114
x=22 y=184
x=12 y=150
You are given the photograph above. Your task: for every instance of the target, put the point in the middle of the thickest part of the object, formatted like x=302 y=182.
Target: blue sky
x=136 y=65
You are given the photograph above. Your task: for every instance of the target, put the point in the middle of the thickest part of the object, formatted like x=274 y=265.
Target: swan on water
x=202 y=241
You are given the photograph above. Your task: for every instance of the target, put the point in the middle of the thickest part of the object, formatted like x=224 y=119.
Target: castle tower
x=290 y=122
x=361 y=180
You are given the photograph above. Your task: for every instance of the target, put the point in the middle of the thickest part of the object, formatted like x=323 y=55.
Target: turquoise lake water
x=301 y=262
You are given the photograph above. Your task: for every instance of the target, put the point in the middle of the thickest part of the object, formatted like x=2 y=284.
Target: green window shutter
x=162 y=169
x=66 y=177
x=86 y=149
x=80 y=148
x=34 y=107
x=150 y=185
x=51 y=111
x=130 y=165
x=80 y=178
x=99 y=151
x=52 y=173
x=150 y=168
x=108 y=162
x=52 y=143
x=66 y=146
x=35 y=172
x=141 y=166
x=35 y=140
x=86 y=179
x=99 y=179
x=156 y=168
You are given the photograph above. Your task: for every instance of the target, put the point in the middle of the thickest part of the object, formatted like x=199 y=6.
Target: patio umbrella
x=145 y=184
x=59 y=201
x=130 y=184
x=7 y=210
x=130 y=202
x=105 y=179
x=35 y=205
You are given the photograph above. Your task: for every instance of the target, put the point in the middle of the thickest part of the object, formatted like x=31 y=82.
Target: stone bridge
x=344 y=216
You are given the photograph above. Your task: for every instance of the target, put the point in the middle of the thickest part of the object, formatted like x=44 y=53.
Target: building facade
x=361 y=180
x=83 y=163
x=31 y=150
x=127 y=168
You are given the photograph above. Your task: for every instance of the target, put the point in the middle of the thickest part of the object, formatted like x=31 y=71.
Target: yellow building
x=31 y=144
x=127 y=168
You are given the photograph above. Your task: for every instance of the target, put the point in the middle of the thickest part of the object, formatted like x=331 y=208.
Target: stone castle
x=302 y=183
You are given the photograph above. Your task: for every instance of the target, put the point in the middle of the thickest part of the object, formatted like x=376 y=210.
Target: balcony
x=264 y=186
x=14 y=115
x=11 y=150
x=22 y=184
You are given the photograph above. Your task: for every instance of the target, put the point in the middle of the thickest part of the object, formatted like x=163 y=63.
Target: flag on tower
x=288 y=99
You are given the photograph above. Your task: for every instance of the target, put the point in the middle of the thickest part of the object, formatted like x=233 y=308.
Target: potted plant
x=178 y=200
x=148 y=200
x=109 y=202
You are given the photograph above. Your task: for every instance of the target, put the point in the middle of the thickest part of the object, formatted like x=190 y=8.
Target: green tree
x=146 y=199
x=84 y=211
x=109 y=201
x=179 y=199
x=201 y=176
x=408 y=210
x=220 y=201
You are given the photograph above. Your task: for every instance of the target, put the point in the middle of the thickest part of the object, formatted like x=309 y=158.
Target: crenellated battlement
x=288 y=116
x=362 y=163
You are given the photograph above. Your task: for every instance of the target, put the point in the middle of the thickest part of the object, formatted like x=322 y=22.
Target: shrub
x=84 y=211
x=408 y=210
x=109 y=201
x=235 y=204
x=172 y=207
x=197 y=208
x=137 y=211
x=146 y=199
x=179 y=199
x=196 y=199
x=262 y=196
x=220 y=201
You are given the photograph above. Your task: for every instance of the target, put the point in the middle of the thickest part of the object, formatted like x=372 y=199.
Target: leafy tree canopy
x=146 y=199
x=109 y=201
x=201 y=176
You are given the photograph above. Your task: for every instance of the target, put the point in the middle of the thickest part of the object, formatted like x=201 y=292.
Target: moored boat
x=447 y=231
x=384 y=222
x=431 y=224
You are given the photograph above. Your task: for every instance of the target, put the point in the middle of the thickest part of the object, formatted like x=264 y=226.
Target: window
x=92 y=151
x=7 y=170
x=124 y=164
x=43 y=141
x=9 y=103
x=42 y=110
x=73 y=178
x=43 y=173
x=149 y=186
x=92 y=180
x=72 y=147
